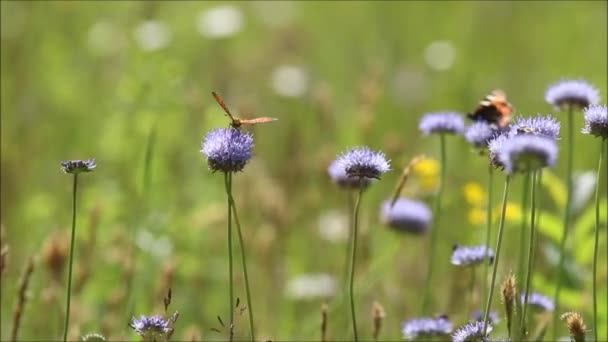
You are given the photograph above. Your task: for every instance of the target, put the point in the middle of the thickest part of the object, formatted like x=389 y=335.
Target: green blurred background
x=129 y=83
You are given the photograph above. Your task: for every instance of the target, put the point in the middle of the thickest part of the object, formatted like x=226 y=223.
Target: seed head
x=576 y=325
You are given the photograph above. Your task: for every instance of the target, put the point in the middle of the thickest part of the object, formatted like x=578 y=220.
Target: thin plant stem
x=351 y=208
x=562 y=245
x=228 y=181
x=244 y=262
x=597 y=237
x=497 y=256
x=352 y=262
x=486 y=267
x=531 y=245
x=434 y=232
x=69 y=289
x=524 y=223
x=472 y=290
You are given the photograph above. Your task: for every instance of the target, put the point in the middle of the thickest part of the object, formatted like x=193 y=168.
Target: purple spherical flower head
x=494 y=147
x=572 y=93
x=406 y=215
x=471 y=332
x=596 y=121
x=524 y=153
x=471 y=256
x=227 y=149
x=78 y=166
x=538 y=301
x=477 y=316
x=338 y=176
x=362 y=163
x=479 y=133
x=154 y=326
x=545 y=126
x=441 y=122
x=426 y=326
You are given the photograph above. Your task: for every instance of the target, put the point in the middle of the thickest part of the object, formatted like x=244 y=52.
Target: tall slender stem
x=531 y=245
x=562 y=246
x=69 y=289
x=244 y=262
x=351 y=208
x=497 y=256
x=352 y=263
x=435 y=231
x=472 y=290
x=524 y=223
x=228 y=181
x=486 y=267
x=597 y=236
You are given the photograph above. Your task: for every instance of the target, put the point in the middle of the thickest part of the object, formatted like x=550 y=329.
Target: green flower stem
x=497 y=256
x=562 y=245
x=351 y=207
x=472 y=290
x=531 y=245
x=228 y=181
x=244 y=262
x=426 y=302
x=597 y=236
x=486 y=267
x=352 y=263
x=524 y=223
x=69 y=289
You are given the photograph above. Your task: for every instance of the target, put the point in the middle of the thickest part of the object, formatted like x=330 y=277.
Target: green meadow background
x=129 y=83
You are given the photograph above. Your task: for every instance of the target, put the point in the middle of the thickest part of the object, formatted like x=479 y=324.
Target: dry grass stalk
x=378 y=315
x=24 y=282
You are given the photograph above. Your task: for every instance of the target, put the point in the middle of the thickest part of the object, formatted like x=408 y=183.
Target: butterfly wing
x=255 y=121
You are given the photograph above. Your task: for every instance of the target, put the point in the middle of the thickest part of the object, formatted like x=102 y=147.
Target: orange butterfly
x=494 y=109
x=236 y=122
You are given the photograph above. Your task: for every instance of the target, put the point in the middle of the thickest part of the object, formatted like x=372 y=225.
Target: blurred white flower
x=289 y=80
x=104 y=38
x=310 y=286
x=333 y=226
x=582 y=189
x=152 y=35
x=439 y=55
x=220 y=22
x=159 y=247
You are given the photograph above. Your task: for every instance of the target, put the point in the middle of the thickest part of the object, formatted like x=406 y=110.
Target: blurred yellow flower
x=426 y=172
x=474 y=194
x=513 y=212
x=477 y=216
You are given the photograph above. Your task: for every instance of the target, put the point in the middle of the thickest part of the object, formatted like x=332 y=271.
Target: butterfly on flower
x=236 y=122
x=493 y=109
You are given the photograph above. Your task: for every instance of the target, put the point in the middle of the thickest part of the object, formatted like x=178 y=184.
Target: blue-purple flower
x=406 y=215
x=477 y=316
x=545 y=126
x=479 y=133
x=78 y=166
x=150 y=327
x=495 y=146
x=227 y=149
x=596 y=121
x=441 y=122
x=362 y=163
x=470 y=256
x=426 y=327
x=523 y=153
x=471 y=332
x=572 y=93
x=539 y=301
x=338 y=176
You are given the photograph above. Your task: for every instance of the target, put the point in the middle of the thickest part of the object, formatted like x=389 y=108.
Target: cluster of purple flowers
x=78 y=166
x=539 y=301
x=406 y=215
x=227 y=149
x=473 y=331
x=470 y=256
x=426 y=327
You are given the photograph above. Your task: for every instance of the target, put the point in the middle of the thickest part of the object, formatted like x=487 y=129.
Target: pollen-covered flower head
x=471 y=332
x=362 y=162
x=471 y=256
x=572 y=93
x=596 y=121
x=477 y=316
x=543 y=125
x=338 y=176
x=153 y=327
x=227 y=149
x=78 y=166
x=441 y=122
x=426 y=327
x=538 y=301
x=479 y=133
x=523 y=153
x=406 y=215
